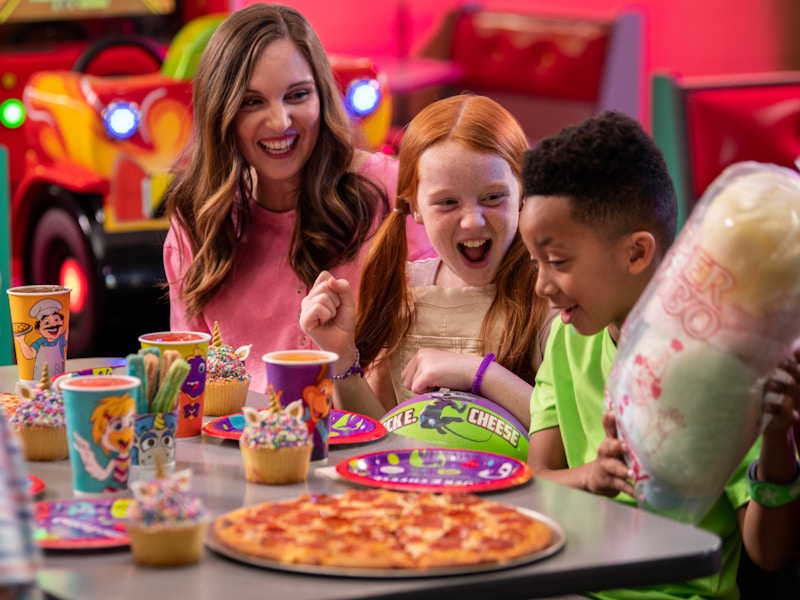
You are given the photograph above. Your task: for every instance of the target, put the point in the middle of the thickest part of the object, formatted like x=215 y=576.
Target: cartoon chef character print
x=51 y=347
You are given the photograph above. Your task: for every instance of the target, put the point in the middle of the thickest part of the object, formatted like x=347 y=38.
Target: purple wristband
x=476 y=383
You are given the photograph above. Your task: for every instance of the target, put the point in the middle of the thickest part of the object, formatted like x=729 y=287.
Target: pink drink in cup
x=193 y=346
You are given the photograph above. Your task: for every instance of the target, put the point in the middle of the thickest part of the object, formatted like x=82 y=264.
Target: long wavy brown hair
x=385 y=311
x=212 y=186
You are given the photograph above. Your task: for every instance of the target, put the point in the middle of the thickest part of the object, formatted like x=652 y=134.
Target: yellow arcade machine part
x=187 y=46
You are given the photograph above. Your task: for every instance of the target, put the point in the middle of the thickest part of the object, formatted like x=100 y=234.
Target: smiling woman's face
x=469 y=203
x=277 y=125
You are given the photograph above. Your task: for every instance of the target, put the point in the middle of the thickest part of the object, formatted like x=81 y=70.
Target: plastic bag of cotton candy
x=721 y=311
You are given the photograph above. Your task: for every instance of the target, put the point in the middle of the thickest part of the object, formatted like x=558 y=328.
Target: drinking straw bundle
x=162 y=375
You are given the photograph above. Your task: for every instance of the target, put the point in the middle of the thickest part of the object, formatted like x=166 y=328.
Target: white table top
x=608 y=544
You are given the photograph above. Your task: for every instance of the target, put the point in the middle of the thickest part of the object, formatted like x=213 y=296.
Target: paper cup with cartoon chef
x=193 y=346
x=40 y=323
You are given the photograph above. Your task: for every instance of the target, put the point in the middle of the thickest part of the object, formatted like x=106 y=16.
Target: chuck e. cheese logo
x=458 y=419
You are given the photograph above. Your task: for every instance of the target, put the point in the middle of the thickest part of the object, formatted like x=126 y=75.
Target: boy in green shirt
x=599 y=215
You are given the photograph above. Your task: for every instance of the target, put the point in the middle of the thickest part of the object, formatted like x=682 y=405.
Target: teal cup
x=100 y=411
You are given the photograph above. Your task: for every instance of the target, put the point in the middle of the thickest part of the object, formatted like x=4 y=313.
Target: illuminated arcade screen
x=12 y=11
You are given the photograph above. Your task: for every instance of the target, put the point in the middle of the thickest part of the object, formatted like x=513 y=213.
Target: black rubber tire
x=94 y=49
x=56 y=238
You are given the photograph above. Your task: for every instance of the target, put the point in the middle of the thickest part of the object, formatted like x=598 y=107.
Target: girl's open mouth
x=475 y=251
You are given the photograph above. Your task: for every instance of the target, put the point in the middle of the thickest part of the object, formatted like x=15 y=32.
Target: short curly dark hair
x=612 y=172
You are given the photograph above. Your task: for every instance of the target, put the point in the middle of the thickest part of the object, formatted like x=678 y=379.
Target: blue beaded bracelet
x=476 y=383
x=772 y=495
x=355 y=368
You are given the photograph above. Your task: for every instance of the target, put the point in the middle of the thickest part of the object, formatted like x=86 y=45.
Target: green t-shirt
x=569 y=395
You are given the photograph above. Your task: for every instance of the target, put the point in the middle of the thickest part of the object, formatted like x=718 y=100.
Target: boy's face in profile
x=581 y=273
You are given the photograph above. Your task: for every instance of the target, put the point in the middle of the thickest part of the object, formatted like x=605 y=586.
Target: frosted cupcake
x=166 y=522
x=227 y=380
x=39 y=421
x=275 y=445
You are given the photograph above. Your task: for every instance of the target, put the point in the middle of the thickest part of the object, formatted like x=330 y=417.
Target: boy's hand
x=431 y=369
x=786 y=413
x=608 y=474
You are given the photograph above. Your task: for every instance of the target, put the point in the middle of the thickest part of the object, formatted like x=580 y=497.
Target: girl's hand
x=328 y=314
x=608 y=475
x=431 y=369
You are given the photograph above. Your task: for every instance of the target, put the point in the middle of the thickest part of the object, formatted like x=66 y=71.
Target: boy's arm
x=771 y=534
x=607 y=475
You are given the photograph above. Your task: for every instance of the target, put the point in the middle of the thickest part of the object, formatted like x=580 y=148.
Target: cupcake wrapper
x=167 y=546
x=225 y=397
x=276 y=465
x=44 y=443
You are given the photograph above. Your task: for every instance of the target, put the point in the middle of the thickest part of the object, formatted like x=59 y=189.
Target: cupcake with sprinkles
x=39 y=421
x=275 y=444
x=166 y=522
x=227 y=380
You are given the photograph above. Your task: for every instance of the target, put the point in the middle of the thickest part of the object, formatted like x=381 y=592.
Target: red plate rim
x=211 y=428
x=522 y=475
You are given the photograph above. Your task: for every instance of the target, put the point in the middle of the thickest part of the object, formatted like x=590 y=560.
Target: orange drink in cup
x=305 y=375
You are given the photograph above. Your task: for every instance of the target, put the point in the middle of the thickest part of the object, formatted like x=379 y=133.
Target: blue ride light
x=363 y=97
x=121 y=119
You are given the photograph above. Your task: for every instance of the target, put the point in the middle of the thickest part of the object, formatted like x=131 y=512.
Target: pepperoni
x=446 y=543
x=497 y=544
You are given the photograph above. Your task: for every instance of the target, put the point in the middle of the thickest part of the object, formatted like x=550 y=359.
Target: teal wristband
x=772 y=495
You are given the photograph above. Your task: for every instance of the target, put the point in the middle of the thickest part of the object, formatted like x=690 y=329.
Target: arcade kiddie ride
x=95 y=106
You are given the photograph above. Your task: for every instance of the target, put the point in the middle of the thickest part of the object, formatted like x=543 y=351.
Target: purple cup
x=305 y=375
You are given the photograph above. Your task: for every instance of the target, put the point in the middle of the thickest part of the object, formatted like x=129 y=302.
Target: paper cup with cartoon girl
x=305 y=375
x=193 y=346
x=40 y=323
x=100 y=414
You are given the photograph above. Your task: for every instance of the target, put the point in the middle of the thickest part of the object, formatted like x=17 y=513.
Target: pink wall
x=688 y=37
x=693 y=37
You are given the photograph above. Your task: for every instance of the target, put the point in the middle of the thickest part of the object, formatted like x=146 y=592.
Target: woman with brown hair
x=438 y=323
x=271 y=190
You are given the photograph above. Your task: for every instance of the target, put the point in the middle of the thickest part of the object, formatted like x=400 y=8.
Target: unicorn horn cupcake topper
x=45 y=382
x=216 y=338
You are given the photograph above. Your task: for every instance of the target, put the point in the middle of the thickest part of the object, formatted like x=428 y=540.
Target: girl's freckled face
x=469 y=203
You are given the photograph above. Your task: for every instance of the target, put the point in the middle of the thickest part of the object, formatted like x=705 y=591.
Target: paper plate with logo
x=81 y=524
x=459 y=420
x=346 y=428
x=435 y=470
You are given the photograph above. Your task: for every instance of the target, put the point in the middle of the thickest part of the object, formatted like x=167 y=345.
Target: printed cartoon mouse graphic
x=432 y=415
x=317 y=401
